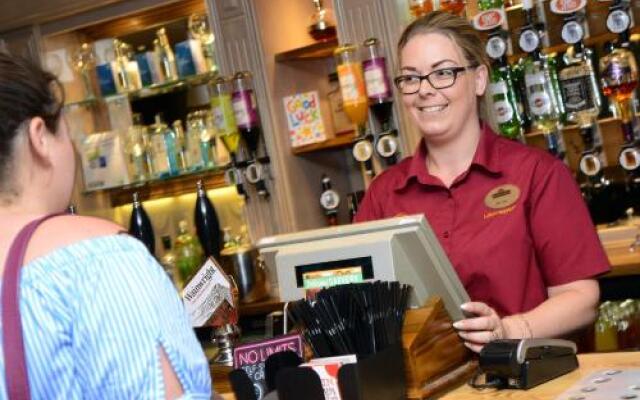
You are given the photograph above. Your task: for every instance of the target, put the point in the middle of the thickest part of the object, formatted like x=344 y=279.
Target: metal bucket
x=249 y=273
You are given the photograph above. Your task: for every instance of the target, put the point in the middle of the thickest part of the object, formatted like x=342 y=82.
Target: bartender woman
x=510 y=217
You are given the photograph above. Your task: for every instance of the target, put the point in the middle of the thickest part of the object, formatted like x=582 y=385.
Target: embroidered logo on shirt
x=501 y=199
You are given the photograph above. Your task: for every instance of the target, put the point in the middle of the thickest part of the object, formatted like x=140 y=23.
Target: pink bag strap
x=15 y=364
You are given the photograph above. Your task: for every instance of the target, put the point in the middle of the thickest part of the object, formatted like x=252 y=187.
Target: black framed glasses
x=438 y=79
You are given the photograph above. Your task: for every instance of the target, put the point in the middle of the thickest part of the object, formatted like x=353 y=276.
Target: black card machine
x=525 y=363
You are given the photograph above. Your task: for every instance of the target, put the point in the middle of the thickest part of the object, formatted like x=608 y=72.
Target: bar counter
x=589 y=363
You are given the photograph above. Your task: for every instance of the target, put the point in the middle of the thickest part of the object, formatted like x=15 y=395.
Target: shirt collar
x=486 y=157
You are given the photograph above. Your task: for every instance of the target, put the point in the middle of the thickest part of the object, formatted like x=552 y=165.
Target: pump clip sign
x=489 y=19
x=567 y=6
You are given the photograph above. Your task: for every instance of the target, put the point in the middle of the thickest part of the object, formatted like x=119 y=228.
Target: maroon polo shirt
x=512 y=225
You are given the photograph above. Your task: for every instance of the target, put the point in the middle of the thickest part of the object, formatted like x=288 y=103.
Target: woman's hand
x=485 y=326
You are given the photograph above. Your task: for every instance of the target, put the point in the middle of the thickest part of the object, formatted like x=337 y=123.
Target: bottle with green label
x=542 y=94
x=502 y=91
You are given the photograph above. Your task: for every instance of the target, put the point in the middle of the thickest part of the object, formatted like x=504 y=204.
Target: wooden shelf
x=315 y=51
x=169 y=187
x=340 y=141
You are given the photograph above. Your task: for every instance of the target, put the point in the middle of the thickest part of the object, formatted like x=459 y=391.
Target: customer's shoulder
x=67 y=230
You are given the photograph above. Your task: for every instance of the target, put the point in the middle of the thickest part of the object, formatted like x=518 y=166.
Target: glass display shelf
x=212 y=178
x=149 y=91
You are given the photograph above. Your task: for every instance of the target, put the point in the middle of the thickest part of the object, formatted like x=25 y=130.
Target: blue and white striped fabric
x=95 y=315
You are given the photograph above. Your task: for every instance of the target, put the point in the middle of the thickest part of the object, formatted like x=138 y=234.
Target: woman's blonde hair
x=459 y=30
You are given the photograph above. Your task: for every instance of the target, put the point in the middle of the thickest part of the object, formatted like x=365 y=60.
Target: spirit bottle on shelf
x=330 y=201
x=323 y=25
x=180 y=145
x=355 y=102
x=207 y=223
x=123 y=83
x=227 y=129
x=380 y=100
x=137 y=151
x=502 y=90
x=542 y=97
x=581 y=96
x=420 y=8
x=164 y=149
x=247 y=117
x=619 y=79
x=165 y=56
x=140 y=225
x=199 y=29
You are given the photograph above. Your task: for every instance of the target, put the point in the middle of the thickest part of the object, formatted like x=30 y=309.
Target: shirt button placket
x=450 y=207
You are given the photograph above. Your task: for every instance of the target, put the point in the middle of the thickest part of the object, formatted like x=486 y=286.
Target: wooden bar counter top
x=589 y=363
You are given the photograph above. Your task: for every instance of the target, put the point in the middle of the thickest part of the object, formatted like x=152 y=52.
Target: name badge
x=502 y=196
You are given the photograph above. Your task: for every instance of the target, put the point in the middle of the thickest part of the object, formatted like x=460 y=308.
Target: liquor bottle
x=355 y=102
x=193 y=145
x=188 y=254
x=165 y=56
x=123 y=84
x=207 y=224
x=502 y=90
x=223 y=115
x=323 y=25
x=246 y=111
x=541 y=94
x=164 y=150
x=178 y=129
x=619 y=78
x=420 y=8
x=581 y=97
x=380 y=100
x=455 y=7
x=330 y=201
x=484 y=5
x=248 y=121
x=199 y=29
x=168 y=260
x=140 y=225
x=136 y=148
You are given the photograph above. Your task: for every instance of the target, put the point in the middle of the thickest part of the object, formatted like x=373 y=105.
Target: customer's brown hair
x=26 y=91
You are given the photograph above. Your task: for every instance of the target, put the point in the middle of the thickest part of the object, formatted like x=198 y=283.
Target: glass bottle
x=504 y=97
x=193 y=149
x=377 y=83
x=323 y=25
x=420 y=8
x=136 y=148
x=541 y=94
x=455 y=7
x=199 y=29
x=123 y=83
x=223 y=114
x=188 y=254
x=330 y=201
x=245 y=110
x=140 y=225
x=355 y=102
x=165 y=56
x=178 y=129
x=164 y=149
x=484 y=5
x=606 y=336
x=168 y=260
x=207 y=223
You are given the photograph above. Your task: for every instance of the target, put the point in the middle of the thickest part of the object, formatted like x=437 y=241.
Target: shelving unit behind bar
x=158 y=189
x=338 y=142
x=315 y=51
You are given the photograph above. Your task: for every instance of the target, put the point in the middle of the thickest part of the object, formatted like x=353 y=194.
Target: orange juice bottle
x=352 y=85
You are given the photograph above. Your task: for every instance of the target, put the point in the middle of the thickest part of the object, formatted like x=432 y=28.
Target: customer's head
x=35 y=148
x=448 y=48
